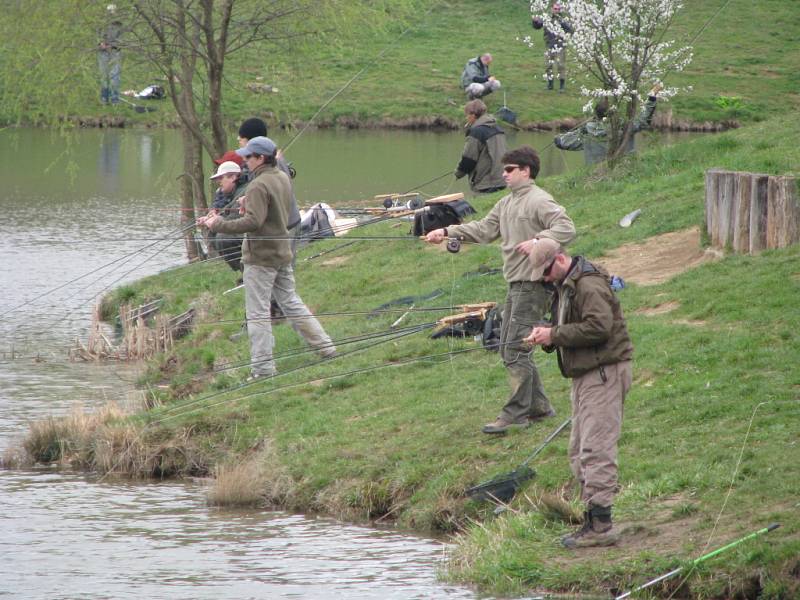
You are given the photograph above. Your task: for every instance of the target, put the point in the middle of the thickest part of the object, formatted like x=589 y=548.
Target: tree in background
x=620 y=51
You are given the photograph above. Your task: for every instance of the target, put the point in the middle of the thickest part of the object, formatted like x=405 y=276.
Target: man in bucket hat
x=267 y=257
x=594 y=349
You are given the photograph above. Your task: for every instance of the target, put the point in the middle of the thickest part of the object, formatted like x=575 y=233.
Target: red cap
x=229 y=155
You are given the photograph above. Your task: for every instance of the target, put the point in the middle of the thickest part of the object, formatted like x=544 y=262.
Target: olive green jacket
x=526 y=213
x=483 y=154
x=268 y=198
x=589 y=329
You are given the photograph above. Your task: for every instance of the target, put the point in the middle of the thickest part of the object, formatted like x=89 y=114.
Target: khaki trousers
x=526 y=303
x=597 y=399
x=261 y=284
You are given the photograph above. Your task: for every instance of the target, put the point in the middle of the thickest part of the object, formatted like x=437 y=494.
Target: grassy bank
x=743 y=70
x=392 y=431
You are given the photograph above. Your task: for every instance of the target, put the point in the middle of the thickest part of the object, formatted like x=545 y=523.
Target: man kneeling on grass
x=594 y=349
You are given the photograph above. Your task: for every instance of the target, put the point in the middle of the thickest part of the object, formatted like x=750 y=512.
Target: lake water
x=70 y=207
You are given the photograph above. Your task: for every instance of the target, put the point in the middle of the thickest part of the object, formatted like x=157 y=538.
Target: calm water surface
x=70 y=207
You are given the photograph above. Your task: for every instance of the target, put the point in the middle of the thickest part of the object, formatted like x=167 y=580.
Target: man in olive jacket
x=485 y=146
x=267 y=257
x=526 y=213
x=594 y=349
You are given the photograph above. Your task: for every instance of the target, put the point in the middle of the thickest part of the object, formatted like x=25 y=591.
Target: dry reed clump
x=134 y=452
x=554 y=506
x=258 y=479
x=70 y=439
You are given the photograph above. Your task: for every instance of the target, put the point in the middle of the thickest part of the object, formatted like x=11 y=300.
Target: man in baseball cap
x=595 y=351
x=267 y=258
x=258 y=146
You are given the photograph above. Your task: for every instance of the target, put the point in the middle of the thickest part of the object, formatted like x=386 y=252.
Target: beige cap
x=543 y=253
x=226 y=168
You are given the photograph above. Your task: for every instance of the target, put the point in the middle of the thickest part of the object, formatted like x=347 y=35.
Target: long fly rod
x=699 y=560
x=178 y=232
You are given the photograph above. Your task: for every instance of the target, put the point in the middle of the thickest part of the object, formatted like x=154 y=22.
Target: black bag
x=436 y=216
x=491 y=330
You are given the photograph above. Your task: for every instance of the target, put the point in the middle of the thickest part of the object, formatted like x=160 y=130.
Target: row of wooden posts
x=750 y=212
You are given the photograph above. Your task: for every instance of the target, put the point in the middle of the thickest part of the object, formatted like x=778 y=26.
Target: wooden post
x=749 y=212
x=758 y=213
x=741 y=213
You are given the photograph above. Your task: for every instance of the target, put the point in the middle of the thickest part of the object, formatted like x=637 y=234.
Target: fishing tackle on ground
x=453 y=245
x=501 y=489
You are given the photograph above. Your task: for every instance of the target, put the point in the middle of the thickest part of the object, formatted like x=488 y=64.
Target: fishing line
x=375 y=312
x=63 y=285
x=308 y=350
x=321 y=378
x=178 y=408
x=727 y=496
x=356 y=76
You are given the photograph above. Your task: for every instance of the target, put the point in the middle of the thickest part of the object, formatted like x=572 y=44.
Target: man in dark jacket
x=475 y=78
x=594 y=349
x=592 y=137
x=267 y=257
x=483 y=150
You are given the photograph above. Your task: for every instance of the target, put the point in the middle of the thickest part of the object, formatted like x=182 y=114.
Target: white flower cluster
x=618 y=45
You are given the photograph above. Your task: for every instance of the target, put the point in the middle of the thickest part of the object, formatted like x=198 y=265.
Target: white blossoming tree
x=621 y=52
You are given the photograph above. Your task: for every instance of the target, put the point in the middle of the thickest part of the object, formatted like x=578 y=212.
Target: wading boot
x=597 y=530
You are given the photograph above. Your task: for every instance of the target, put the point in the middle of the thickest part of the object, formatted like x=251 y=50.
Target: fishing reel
x=397 y=202
x=453 y=245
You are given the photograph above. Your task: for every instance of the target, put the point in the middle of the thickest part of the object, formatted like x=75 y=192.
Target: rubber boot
x=104 y=95
x=561 y=86
x=549 y=84
x=597 y=530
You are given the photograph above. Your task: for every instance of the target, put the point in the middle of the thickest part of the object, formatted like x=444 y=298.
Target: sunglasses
x=510 y=168
x=546 y=272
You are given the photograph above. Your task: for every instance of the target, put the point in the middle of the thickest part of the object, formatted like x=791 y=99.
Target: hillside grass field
x=412 y=54
x=391 y=431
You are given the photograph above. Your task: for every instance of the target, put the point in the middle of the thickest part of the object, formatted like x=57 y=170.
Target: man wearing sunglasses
x=526 y=213
x=595 y=350
x=267 y=257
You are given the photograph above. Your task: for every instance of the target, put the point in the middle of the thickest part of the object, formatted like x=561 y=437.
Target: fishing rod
x=259 y=380
x=353 y=78
x=399 y=363
x=180 y=231
x=699 y=560
x=308 y=350
x=343 y=313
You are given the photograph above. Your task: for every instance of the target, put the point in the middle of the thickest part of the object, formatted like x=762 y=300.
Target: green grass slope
x=392 y=430
x=745 y=68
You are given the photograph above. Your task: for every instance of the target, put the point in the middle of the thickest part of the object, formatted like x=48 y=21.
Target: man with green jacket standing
x=594 y=349
x=485 y=146
x=267 y=257
x=526 y=213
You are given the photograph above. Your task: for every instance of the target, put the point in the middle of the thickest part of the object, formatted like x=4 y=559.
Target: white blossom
x=618 y=45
